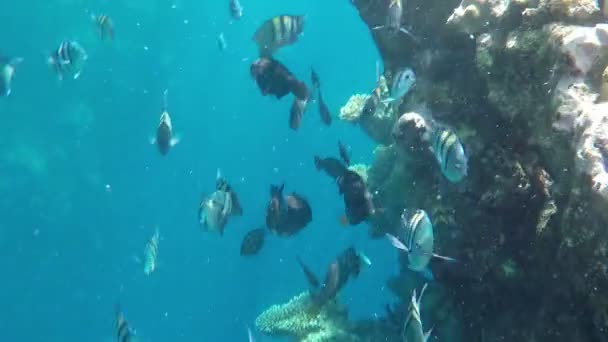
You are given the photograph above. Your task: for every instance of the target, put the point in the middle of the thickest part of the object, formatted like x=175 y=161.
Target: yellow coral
x=297 y=318
x=352 y=109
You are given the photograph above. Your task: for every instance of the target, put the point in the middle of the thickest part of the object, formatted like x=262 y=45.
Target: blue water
x=68 y=246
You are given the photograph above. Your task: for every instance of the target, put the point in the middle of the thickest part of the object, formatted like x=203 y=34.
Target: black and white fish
x=215 y=209
x=277 y=32
x=69 y=58
x=450 y=154
x=164 y=133
x=124 y=333
x=8 y=66
x=236 y=10
x=104 y=25
x=412 y=328
x=393 y=20
x=419 y=241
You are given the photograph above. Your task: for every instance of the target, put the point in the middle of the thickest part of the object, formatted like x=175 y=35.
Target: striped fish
x=69 y=58
x=419 y=241
x=412 y=328
x=277 y=32
x=151 y=253
x=450 y=154
x=124 y=333
x=104 y=25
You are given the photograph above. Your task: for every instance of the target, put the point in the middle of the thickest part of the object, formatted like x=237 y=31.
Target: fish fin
x=427 y=273
x=250 y=334
x=378 y=27
x=444 y=258
x=175 y=140
x=317 y=163
x=310 y=277
x=397 y=243
x=419 y=299
x=427 y=334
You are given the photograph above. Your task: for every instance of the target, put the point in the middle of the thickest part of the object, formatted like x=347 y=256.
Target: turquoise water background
x=68 y=246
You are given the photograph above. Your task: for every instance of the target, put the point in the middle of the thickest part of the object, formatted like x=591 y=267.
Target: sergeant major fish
x=277 y=32
x=7 y=73
x=69 y=58
x=151 y=253
x=393 y=20
x=164 y=133
x=412 y=328
x=104 y=25
x=419 y=240
x=450 y=154
x=124 y=333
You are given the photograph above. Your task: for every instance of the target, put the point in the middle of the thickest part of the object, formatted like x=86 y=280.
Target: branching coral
x=300 y=319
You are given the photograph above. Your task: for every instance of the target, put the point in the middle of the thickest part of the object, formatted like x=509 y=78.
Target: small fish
x=164 y=133
x=69 y=58
x=287 y=215
x=344 y=154
x=450 y=154
x=403 y=81
x=7 y=73
x=393 y=20
x=215 y=210
x=151 y=253
x=253 y=242
x=331 y=166
x=124 y=333
x=419 y=241
x=221 y=42
x=373 y=101
x=310 y=276
x=324 y=111
x=412 y=328
x=104 y=25
x=316 y=82
x=298 y=107
x=277 y=32
x=236 y=10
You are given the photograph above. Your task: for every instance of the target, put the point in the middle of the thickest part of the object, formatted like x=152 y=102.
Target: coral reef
x=299 y=319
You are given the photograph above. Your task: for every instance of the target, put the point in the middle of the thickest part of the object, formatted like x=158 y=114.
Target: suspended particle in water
x=108 y=188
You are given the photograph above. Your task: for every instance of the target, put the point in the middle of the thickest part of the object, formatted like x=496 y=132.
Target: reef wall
x=522 y=83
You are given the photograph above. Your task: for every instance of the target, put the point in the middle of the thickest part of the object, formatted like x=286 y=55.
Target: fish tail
x=444 y=258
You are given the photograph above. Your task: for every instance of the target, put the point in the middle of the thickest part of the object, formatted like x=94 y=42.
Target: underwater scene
x=304 y=170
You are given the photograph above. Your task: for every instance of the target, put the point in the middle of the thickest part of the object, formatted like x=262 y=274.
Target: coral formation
x=299 y=319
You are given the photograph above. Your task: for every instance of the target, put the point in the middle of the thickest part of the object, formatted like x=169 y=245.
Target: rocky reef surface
x=524 y=85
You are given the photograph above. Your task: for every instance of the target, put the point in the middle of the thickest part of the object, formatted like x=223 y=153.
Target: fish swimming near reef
x=253 y=242
x=419 y=241
x=236 y=10
x=151 y=253
x=104 y=25
x=277 y=32
x=358 y=201
x=344 y=153
x=8 y=66
x=124 y=333
x=402 y=83
x=347 y=265
x=215 y=209
x=287 y=215
x=164 y=133
x=450 y=154
x=68 y=58
x=412 y=328
x=273 y=78
x=324 y=111
x=393 y=20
